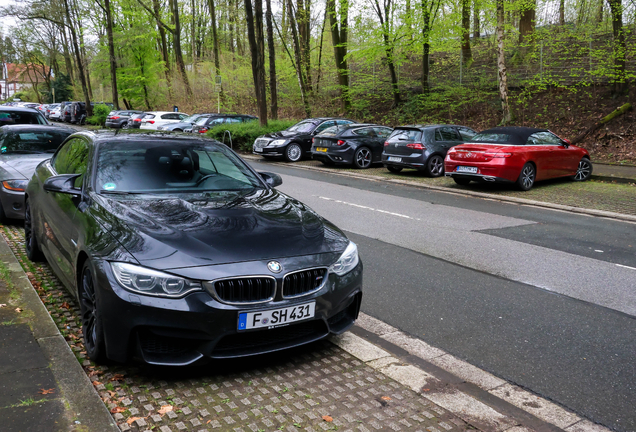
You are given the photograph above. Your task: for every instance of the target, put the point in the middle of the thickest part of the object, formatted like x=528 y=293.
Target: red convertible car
x=518 y=155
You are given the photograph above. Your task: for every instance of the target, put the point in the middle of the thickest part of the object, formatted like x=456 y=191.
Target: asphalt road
x=542 y=298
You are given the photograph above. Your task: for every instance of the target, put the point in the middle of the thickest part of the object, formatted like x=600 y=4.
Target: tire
x=3 y=215
x=462 y=181
x=124 y=125
x=584 y=170
x=527 y=176
x=435 y=166
x=92 y=328
x=394 y=169
x=293 y=153
x=31 y=245
x=362 y=158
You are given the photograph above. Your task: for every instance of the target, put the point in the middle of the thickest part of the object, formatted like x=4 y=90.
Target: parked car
x=518 y=155
x=135 y=121
x=422 y=147
x=66 y=112
x=294 y=143
x=49 y=108
x=205 y=124
x=210 y=261
x=119 y=119
x=55 y=112
x=153 y=119
x=78 y=112
x=186 y=123
x=18 y=115
x=354 y=144
x=24 y=146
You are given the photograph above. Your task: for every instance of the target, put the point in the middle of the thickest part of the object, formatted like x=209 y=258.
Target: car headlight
x=15 y=185
x=152 y=282
x=277 y=143
x=347 y=261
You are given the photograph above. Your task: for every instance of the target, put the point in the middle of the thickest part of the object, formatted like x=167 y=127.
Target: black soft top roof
x=517 y=135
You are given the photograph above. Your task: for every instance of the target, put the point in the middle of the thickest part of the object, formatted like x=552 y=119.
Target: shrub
x=244 y=134
x=100 y=112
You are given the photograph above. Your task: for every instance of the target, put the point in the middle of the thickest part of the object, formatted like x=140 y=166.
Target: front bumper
x=12 y=203
x=183 y=331
x=270 y=151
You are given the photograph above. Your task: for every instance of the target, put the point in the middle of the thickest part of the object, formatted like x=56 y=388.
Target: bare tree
x=620 y=47
x=466 y=52
x=257 y=49
x=384 y=15
x=339 y=34
x=272 y=62
x=501 y=64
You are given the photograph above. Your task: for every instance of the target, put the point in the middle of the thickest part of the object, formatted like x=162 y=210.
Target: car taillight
x=416 y=146
x=498 y=155
x=114 y=117
x=137 y=120
x=386 y=143
x=340 y=142
x=203 y=130
x=150 y=121
x=313 y=140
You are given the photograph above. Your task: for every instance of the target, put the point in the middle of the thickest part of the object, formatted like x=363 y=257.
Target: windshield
x=19 y=117
x=303 y=126
x=33 y=142
x=169 y=166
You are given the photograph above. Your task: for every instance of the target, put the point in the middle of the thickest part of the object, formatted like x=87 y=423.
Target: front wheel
x=527 y=176
x=584 y=171
x=435 y=166
x=91 y=317
x=394 y=169
x=31 y=245
x=293 y=152
x=362 y=158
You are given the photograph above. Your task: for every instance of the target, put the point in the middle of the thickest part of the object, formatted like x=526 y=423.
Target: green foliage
x=100 y=112
x=244 y=134
x=63 y=89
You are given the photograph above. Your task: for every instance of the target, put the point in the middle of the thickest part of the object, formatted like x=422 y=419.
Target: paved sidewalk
x=622 y=173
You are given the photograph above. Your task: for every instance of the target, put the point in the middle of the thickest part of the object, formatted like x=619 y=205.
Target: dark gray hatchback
x=422 y=147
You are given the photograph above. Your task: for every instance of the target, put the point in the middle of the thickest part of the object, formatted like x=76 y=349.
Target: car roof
x=141 y=135
x=517 y=134
x=30 y=127
x=163 y=112
x=428 y=126
x=17 y=109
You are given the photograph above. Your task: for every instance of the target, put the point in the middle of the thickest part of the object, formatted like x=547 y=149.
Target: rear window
x=414 y=135
x=33 y=142
x=149 y=116
x=331 y=131
x=21 y=118
x=491 y=137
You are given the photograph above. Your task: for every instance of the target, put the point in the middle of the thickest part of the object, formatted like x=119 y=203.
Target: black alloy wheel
x=584 y=171
x=394 y=169
x=31 y=245
x=462 y=181
x=362 y=158
x=527 y=176
x=124 y=125
x=435 y=166
x=91 y=320
x=293 y=152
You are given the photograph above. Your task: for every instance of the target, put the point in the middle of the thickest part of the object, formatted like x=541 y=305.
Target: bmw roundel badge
x=274 y=266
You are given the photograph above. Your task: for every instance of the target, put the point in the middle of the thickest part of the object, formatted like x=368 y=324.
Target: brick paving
x=313 y=388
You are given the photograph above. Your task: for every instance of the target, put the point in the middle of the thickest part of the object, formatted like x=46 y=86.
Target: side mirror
x=271 y=179
x=566 y=142
x=64 y=183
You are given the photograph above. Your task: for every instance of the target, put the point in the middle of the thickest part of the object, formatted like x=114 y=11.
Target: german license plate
x=258 y=149
x=322 y=149
x=467 y=169
x=276 y=317
x=395 y=159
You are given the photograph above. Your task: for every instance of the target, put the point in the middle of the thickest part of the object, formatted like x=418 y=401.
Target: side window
x=233 y=120
x=215 y=121
x=467 y=134
x=72 y=158
x=324 y=126
x=446 y=134
x=367 y=132
x=543 y=138
x=382 y=132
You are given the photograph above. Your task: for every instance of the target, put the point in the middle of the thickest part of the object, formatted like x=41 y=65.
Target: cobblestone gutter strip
x=313 y=388
x=432 y=382
x=575 y=192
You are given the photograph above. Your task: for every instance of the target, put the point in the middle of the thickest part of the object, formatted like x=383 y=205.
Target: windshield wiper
x=113 y=192
x=23 y=152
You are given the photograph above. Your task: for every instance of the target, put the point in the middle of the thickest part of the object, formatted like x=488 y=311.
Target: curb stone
x=522 y=201
x=75 y=386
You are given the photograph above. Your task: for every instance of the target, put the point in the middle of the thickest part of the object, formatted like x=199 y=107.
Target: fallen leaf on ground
x=117 y=377
x=93 y=373
x=96 y=383
x=65 y=305
x=112 y=393
x=19 y=310
x=386 y=398
x=132 y=419
x=3 y=305
x=426 y=389
x=117 y=410
x=327 y=418
x=45 y=391
x=165 y=408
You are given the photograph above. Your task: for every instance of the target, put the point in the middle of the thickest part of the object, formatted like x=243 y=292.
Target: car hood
x=282 y=134
x=169 y=232
x=21 y=166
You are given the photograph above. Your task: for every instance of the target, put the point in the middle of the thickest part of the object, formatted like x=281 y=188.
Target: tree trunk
x=620 y=48
x=164 y=45
x=562 y=12
x=501 y=64
x=78 y=59
x=257 y=48
x=303 y=17
x=527 y=20
x=466 y=53
x=111 y=54
x=217 y=61
x=338 y=33
x=599 y=11
x=68 y=63
x=476 y=21
x=298 y=56
x=178 y=53
x=272 y=62
x=426 y=31
x=384 y=15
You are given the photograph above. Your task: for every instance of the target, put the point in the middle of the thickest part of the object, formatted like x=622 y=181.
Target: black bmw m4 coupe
x=178 y=251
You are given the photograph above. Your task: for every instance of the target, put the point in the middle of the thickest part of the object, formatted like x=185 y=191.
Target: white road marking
x=367 y=208
x=627 y=267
